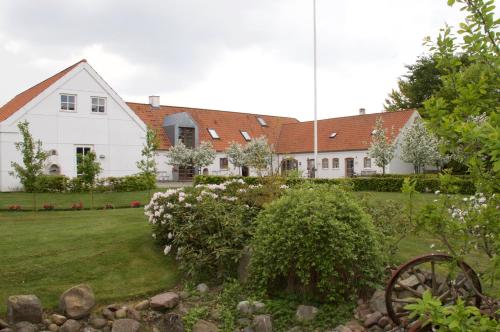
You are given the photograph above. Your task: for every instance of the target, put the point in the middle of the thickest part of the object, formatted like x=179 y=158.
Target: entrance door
x=310 y=168
x=186 y=173
x=245 y=171
x=349 y=167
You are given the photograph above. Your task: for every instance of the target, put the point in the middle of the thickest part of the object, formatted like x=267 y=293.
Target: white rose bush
x=206 y=227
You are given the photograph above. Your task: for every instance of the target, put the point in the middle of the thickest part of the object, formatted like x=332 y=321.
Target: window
x=333 y=135
x=213 y=133
x=186 y=136
x=223 y=163
x=335 y=163
x=68 y=103
x=245 y=135
x=80 y=152
x=367 y=162
x=98 y=105
x=261 y=121
x=324 y=163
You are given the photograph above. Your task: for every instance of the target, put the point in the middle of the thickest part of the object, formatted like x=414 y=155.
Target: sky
x=235 y=55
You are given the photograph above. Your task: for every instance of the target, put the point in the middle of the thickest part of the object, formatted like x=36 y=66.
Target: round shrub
x=318 y=242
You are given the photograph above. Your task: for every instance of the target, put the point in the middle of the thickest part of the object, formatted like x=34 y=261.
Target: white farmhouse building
x=76 y=111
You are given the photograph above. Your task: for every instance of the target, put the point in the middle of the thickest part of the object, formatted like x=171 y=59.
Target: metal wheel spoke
x=433 y=277
x=420 y=281
x=405 y=301
x=411 y=290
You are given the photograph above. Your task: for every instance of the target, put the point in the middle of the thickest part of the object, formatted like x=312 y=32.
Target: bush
x=52 y=183
x=125 y=183
x=318 y=242
x=135 y=204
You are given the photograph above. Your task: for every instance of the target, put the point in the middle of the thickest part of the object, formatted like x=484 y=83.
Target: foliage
x=465 y=111
x=416 y=86
x=450 y=318
x=236 y=154
x=419 y=147
x=61 y=183
x=147 y=165
x=206 y=227
x=323 y=219
x=382 y=147
x=124 y=183
x=199 y=157
x=258 y=154
x=89 y=169
x=33 y=156
x=193 y=316
x=52 y=183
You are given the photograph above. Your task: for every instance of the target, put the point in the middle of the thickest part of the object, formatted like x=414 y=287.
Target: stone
x=243 y=265
x=3 y=324
x=362 y=313
x=202 y=288
x=58 y=319
x=24 y=308
x=377 y=302
x=354 y=326
x=98 y=322
x=372 y=319
x=7 y=329
x=126 y=325
x=25 y=327
x=143 y=305
x=262 y=323
x=108 y=314
x=244 y=321
x=306 y=313
x=170 y=322
x=164 y=301
x=53 y=327
x=244 y=308
x=341 y=328
x=205 y=326
x=89 y=329
x=77 y=301
x=70 y=325
x=411 y=281
x=384 y=321
x=133 y=314
x=121 y=313
x=258 y=306
x=114 y=307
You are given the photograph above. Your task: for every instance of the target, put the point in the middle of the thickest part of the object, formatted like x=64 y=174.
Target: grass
x=112 y=250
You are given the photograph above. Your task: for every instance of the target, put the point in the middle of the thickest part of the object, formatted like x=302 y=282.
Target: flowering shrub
x=15 y=207
x=205 y=227
x=135 y=204
x=318 y=241
x=77 y=206
x=48 y=206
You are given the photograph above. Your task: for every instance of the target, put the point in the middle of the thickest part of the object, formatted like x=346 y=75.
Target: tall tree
x=90 y=169
x=236 y=154
x=419 y=147
x=34 y=158
x=382 y=147
x=465 y=112
x=147 y=165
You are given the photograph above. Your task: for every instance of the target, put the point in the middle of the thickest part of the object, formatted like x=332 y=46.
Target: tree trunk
x=34 y=202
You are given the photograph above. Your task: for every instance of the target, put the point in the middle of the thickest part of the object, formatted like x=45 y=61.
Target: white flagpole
x=315 y=95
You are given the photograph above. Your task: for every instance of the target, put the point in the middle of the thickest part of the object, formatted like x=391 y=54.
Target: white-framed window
x=261 y=121
x=245 y=135
x=98 y=105
x=68 y=103
x=213 y=133
x=324 y=163
x=367 y=162
x=223 y=163
x=335 y=162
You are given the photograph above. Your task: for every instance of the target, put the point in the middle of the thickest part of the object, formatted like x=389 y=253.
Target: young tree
x=179 y=155
x=147 y=165
x=201 y=156
x=89 y=169
x=236 y=154
x=382 y=147
x=419 y=147
x=33 y=161
x=258 y=154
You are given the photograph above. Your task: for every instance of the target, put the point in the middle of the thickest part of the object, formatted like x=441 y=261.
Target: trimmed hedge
x=387 y=183
x=62 y=183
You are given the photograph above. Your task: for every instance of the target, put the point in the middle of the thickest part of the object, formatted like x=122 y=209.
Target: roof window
x=261 y=121
x=245 y=135
x=333 y=135
x=213 y=133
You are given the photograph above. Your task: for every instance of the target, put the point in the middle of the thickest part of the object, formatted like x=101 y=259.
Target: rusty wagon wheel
x=441 y=274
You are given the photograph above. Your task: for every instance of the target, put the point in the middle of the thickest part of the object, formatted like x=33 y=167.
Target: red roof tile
x=26 y=96
x=353 y=132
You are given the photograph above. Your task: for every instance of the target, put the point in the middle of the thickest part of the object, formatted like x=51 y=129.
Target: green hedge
x=388 y=183
x=62 y=183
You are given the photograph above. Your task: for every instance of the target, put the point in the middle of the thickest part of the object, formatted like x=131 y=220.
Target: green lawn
x=112 y=250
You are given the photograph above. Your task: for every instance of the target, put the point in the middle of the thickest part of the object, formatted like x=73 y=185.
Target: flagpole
x=315 y=94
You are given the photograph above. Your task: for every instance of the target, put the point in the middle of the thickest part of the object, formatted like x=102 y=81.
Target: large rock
x=377 y=302
x=25 y=327
x=143 y=305
x=126 y=325
x=77 y=301
x=70 y=325
x=306 y=313
x=98 y=323
x=202 y=288
x=262 y=323
x=58 y=319
x=372 y=319
x=24 y=308
x=205 y=326
x=3 y=324
x=164 y=301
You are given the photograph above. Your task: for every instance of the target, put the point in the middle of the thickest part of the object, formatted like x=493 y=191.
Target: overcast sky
x=235 y=55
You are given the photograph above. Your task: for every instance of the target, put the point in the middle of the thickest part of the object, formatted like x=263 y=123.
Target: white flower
x=284 y=186
x=437 y=192
x=432 y=245
x=188 y=205
x=167 y=249
x=170 y=236
x=153 y=235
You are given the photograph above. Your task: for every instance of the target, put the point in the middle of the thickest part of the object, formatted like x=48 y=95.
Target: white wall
x=116 y=136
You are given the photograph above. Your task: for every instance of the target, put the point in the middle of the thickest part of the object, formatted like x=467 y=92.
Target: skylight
x=374 y=131
x=213 y=133
x=332 y=135
x=262 y=122
x=245 y=135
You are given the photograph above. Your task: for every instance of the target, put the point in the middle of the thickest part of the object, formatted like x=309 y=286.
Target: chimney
x=154 y=101
x=362 y=111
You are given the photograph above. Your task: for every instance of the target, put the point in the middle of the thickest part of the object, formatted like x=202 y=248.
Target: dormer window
x=261 y=121
x=213 y=133
x=245 y=135
x=68 y=103
x=333 y=135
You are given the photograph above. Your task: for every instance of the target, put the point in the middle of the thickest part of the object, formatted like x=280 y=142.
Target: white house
x=76 y=111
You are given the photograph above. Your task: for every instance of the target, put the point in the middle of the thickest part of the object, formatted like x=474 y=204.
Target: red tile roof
x=353 y=132
x=26 y=96
x=227 y=124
